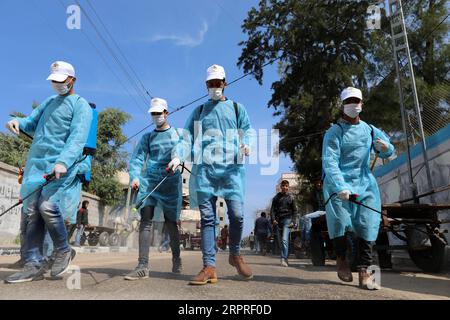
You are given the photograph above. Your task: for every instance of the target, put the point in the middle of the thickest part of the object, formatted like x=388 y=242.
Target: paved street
x=102 y=278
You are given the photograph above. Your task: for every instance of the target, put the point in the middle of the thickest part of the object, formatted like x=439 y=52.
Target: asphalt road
x=102 y=278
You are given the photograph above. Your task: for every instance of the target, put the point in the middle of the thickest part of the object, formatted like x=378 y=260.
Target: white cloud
x=185 y=40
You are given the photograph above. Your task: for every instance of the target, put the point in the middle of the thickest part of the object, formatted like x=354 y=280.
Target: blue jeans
x=283 y=238
x=48 y=245
x=23 y=232
x=41 y=215
x=166 y=242
x=80 y=232
x=306 y=223
x=208 y=231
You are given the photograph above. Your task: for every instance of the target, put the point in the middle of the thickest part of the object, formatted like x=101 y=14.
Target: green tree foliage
x=13 y=149
x=321 y=45
x=428 y=32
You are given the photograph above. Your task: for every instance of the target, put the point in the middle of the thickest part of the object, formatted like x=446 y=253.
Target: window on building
x=221 y=204
x=221 y=218
x=184 y=180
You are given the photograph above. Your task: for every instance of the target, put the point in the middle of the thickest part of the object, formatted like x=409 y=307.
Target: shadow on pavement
x=120 y=273
x=281 y=280
x=419 y=283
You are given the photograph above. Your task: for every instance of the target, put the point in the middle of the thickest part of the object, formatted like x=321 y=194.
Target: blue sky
x=168 y=43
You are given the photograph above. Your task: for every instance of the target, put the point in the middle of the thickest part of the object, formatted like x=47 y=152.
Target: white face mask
x=215 y=93
x=159 y=120
x=61 y=88
x=352 y=109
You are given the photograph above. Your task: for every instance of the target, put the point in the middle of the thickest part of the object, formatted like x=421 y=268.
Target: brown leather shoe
x=343 y=270
x=365 y=282
x=206 y=275
x=242 y=268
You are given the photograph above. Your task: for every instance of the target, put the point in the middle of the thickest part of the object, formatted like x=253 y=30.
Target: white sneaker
x=284 y=263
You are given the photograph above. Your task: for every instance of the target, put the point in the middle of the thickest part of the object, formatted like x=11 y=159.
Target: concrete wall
x=9 y=195
x=393 y=177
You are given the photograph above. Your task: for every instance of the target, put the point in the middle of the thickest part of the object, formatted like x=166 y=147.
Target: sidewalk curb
x=88 y=249
x=9 y=251
x=15 y=251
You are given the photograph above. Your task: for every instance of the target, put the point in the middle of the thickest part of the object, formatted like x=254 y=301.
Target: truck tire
x=114 y=239
x=93 y=239
x=432 y=259
x=317 y=249
x=104 y=239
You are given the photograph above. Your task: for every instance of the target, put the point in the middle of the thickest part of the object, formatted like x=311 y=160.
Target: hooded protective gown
x=156 y=149
x=218 y=168
x=346 y=164
x=60 y=127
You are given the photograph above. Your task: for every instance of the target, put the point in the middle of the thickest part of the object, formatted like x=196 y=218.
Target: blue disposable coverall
x=156 y=149
x=346 y=164
x=217 y=168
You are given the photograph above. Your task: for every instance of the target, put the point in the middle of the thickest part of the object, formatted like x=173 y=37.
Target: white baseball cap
x=215 y=72
x=60 y=70
x=158 y=105
x=351 y=92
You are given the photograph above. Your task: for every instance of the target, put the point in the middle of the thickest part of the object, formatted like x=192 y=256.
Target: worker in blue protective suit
x=221 y=135
x=68 y=206
x=346 y=153
x=163 y=150
x=60 y=127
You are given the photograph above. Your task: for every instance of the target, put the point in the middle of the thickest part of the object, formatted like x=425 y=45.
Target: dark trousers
x=384 y=257
x=362 y=248
x=145 y=231
x=261 y=238
x=224 y=243
x=71 y=230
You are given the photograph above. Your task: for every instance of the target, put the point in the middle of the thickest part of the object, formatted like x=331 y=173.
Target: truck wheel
x=104 y=239
x=114 y=239
x=93 y=239
x=431 y=259
x=317 y=249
